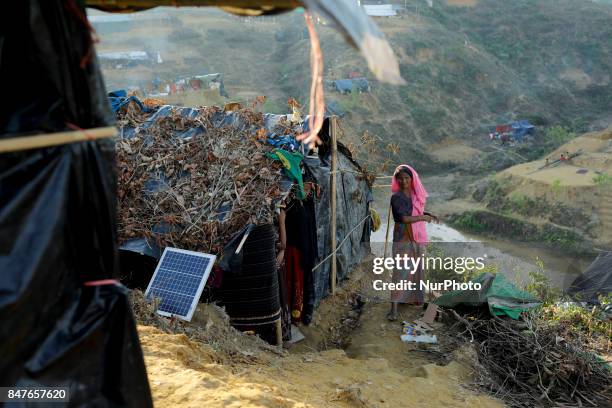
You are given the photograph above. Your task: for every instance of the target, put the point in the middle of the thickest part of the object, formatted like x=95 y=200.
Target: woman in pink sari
x=409 y=233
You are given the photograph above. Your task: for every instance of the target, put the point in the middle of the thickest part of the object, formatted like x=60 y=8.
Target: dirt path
x=183 y=374
x=375 y=370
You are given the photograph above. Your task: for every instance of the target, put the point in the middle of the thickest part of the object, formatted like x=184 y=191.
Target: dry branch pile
x=200 y=190
x=527 y=364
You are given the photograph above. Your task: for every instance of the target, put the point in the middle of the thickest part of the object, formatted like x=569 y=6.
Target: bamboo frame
x=15 y=144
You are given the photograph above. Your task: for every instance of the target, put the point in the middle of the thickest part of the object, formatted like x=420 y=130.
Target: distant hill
x=468 y=64
x=564 y=204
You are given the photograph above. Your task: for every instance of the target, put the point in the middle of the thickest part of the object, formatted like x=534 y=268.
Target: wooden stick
x=242 y=241
x=15 y=144
x=334 y=165
x=387 y=233
x=279 y=333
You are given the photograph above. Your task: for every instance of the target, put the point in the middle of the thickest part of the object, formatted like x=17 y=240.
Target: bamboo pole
x=387 y=232
x=15 y=144
x=334 y=165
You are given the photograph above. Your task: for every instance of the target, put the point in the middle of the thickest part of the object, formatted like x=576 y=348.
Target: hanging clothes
x=291 y=163
x=300 y=254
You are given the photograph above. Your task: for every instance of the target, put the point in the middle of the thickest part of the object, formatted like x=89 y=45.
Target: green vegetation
x=576 y=319
x=556 y=187
x=590 y=324
x=521 y=204
x=499 y=225
x=540 y=286
x=602 y=179
x=470 y=222
x=439 y=275
x=349 y=102
x=557 y=135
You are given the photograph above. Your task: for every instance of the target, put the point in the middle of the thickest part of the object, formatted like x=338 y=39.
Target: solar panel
x=179 y=280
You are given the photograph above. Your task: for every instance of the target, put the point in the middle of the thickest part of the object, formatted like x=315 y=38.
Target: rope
x=341 y=242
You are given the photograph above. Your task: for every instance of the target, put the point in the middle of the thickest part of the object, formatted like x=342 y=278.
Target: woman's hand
x=431 y=218
x=280 y=258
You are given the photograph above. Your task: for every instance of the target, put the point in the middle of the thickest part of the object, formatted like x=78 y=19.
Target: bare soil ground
x=462 y=3
x=573 y=183
x=375 y=369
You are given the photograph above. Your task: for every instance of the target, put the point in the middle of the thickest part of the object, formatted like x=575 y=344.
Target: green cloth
x=291 y=163
x=502 y=297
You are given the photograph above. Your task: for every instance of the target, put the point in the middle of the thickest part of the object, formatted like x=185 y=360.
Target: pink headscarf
x=419 y=197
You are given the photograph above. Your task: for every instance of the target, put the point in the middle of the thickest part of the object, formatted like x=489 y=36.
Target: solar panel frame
x=196 y=297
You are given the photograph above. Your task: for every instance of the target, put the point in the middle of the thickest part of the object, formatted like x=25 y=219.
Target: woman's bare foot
x=392 y=315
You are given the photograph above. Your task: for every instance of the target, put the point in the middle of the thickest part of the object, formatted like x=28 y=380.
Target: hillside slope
x=564 y=205
x=466 y=68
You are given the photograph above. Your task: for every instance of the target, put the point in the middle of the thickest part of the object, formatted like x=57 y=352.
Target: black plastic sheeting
x=596 y=280
x=57 y=219
x=353 y=197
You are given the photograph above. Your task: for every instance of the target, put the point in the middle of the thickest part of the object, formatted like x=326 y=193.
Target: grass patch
x=602 y=180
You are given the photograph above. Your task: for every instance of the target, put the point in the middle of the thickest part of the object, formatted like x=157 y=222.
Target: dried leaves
x=193 y=192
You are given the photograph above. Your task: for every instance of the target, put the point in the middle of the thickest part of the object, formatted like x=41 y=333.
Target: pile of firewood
x=528 y=364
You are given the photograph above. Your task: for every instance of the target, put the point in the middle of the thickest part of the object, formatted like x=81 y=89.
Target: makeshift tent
x=125 y=59
x=353 y=192
x=196 y=83
x=521 y=128
x=65 y=321
x=497 y=292
x=349 y=85
x=596 y=280
x=380 y=10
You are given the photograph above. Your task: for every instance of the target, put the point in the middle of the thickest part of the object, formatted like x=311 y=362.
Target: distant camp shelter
x=522 y=128
x=125 y=59
x=197 y=83
x=380 y=10
x=348 y=85
x=515 y=130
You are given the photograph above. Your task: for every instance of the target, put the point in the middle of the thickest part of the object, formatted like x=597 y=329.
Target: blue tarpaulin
x=349 y=85
x=119 y=98
x=521 y=128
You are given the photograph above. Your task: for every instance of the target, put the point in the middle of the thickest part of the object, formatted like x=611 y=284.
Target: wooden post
x=334 y=167
x=279 y=333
